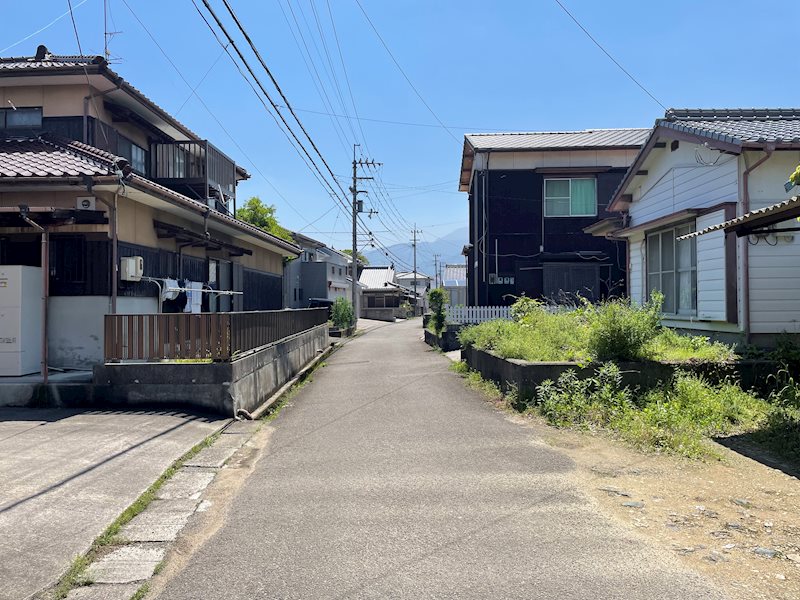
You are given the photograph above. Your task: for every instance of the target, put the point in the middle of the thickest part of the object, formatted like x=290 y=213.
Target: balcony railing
x=195 y=168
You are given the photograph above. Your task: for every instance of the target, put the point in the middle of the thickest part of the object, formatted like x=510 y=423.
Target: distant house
x=131 y=204
x=423 y=284
x=454 y=282
x=320 y=273
x=530 y=197
x=381 y=294
x=698 y=169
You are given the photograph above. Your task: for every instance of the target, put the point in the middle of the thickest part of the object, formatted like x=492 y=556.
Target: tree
x=361 y=258
x=263 y=216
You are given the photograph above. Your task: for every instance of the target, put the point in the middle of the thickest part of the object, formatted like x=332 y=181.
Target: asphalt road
x=386 y=478
x=65 y=475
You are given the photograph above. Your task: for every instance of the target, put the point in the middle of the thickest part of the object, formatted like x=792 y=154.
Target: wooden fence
x=476 y=314
x=203 y=336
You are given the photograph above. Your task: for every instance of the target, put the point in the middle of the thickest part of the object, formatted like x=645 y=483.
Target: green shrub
x=437 y=298
x=598 y=401
x=342 y=313
x=619 y=330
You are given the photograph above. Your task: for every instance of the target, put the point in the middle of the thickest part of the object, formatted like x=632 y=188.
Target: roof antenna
x=107 y=35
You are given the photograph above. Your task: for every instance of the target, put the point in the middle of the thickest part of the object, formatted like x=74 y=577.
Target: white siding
x=679 y=180
x=774 y=261
x=556 y=158
x=636 y=270
x=711 y=269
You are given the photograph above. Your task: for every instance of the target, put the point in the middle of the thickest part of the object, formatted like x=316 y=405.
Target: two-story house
x=320 y=273
x=698 y=169
x=94 y=172
x=530 y=197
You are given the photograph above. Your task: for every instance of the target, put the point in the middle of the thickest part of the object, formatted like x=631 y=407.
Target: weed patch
x=613 y=330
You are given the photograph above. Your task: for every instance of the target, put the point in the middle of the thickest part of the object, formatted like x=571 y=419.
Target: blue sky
x=505 y=65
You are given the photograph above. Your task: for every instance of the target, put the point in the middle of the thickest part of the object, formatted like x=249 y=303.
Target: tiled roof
x=455 y=276
x=374 y=278
x=738 y=126
x=38 y=157
x=54 y=157
x=559 y=140
x=48 y=62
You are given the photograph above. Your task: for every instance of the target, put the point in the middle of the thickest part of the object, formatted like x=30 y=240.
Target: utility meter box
x=132 y=268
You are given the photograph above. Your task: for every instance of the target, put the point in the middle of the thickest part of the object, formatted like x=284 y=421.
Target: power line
x=208 y=109
x=48 y=26
x=608 y=54
x=405 y=76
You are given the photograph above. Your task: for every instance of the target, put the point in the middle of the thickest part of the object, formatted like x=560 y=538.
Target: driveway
x=386 y=478
x=65 y=475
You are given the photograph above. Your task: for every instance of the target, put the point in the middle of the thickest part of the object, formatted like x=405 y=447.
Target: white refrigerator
x=20 y=320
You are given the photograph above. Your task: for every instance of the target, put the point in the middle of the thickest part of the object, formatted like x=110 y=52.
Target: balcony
x=196 y=169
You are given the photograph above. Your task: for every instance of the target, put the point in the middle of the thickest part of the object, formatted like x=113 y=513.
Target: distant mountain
x=448 y=246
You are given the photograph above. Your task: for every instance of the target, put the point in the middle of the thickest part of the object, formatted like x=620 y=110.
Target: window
x=340 y=271
x=21 y=118
x=570 y=197
x=333 y=270
x=135 y=154
x=672 y=269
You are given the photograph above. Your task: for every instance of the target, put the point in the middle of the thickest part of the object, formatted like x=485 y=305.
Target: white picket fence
x=476 y=314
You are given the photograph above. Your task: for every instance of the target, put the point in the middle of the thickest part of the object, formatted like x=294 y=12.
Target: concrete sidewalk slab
x=186 y=483
x=104 y=592
x=127 y=564
x=161 y=522
x=65 y=475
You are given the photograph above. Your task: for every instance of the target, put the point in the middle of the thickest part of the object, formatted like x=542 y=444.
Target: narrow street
x=386 y=478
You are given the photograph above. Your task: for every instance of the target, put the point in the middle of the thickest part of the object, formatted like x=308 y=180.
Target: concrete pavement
x=65 y=475
x=386 y=478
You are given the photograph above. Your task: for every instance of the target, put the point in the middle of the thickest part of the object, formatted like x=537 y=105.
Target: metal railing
x=203 y=336
x=197 y=163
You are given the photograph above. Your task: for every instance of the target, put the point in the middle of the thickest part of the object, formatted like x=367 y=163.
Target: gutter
x=745 y=243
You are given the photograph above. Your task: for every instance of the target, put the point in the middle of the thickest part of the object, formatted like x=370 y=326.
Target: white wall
x=774 y=260
x=555 y=158
x=677 y=181
x=636 y=268
x=75 y=327
x=711 y=294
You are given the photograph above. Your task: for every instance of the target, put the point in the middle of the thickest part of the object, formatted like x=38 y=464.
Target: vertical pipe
x=114 y=256
x=45 y=294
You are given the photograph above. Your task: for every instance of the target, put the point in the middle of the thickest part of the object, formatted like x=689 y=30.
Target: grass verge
x=76 y=576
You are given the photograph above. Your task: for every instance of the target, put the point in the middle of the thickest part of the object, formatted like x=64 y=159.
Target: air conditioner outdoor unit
x=132 y=268
x=85 y=203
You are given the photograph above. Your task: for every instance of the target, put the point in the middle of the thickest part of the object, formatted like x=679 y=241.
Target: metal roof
x=559 y=140
x=763 y=217
x=410 y=275
x=541 y=141
x=377 y=278
x=454 y=276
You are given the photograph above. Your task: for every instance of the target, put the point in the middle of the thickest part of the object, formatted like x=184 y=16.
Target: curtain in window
x=583 y=197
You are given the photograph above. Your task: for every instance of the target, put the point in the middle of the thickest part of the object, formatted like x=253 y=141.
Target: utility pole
x=358 y=206
x=436 y=269
x=414 y=233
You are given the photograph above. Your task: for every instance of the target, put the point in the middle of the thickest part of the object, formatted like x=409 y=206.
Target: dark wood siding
x=262 y=291
x=509 y=237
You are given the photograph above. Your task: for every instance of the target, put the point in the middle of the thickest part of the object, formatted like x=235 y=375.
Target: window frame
x=6 y=111
x=676 y=270
x=570 y=180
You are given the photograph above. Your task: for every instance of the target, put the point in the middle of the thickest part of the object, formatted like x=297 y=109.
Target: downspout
x=769 y=149
x=112 y=206
x=45 y=260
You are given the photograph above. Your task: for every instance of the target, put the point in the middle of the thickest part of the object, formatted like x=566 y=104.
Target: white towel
x=167 y=295
x=194 y=297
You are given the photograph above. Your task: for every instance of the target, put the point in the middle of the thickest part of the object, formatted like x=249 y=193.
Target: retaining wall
x=526 y=376
x=221 y=388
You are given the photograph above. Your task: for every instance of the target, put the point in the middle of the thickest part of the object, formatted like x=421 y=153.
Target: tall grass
x=613 y=330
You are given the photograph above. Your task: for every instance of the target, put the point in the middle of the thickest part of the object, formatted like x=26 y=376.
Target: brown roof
x=38 y=157
x=46 y=63
x=50 y=157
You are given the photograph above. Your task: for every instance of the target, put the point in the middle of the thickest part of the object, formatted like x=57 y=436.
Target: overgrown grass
x=76 y=574
x=613 y=330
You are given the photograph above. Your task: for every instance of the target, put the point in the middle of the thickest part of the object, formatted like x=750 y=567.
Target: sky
x=507 y=65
